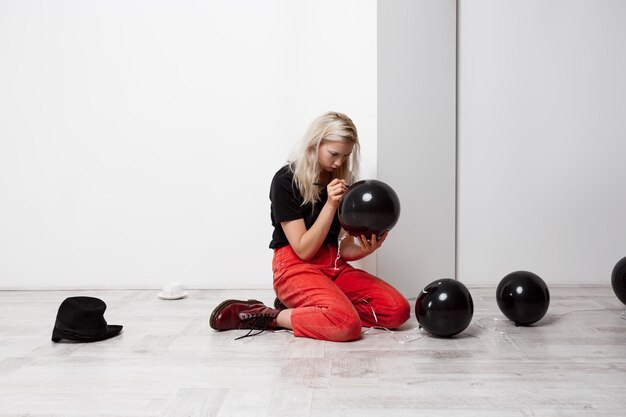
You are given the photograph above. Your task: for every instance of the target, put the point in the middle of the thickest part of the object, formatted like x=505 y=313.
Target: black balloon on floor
x=444 y=307
x=369 y=207
x=618 y=280
x=523 y=297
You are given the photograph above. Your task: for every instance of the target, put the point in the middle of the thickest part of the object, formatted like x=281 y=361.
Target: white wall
x=138 y=139
x=542 y=139
x=416 y=138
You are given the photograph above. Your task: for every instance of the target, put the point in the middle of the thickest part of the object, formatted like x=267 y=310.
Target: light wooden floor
x=167 y=362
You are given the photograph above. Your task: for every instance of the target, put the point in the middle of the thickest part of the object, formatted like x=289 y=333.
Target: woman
x=321 y=295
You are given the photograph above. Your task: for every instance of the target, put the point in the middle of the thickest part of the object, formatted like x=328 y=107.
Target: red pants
x=333 y=304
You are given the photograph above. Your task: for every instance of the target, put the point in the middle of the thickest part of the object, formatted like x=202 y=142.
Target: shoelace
x=258 y=322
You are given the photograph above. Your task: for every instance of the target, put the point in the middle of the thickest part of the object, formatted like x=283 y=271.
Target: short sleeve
x=286 y=200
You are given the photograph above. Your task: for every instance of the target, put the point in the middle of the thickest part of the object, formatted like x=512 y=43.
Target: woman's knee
x=403 y=312
x=348 y=329
x=343 y=326
x=332 y=323
x=400 y=313
x=396 y=313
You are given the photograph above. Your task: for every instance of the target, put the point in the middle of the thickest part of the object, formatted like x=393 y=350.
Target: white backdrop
x=417 y=138
x=138 y=140
x=542 y=139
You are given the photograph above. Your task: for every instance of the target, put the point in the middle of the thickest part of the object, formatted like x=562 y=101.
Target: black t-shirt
x=287 y=205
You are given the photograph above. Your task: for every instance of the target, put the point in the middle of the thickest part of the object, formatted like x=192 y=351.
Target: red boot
x=239 y=314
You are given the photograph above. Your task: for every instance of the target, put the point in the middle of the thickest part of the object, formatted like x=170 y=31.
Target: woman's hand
x=369 y=245
x=306 y=242
x=336 y=190
x=351 y=251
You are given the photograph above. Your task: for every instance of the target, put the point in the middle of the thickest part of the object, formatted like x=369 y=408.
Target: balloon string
x=339 y=240
x=376 y=326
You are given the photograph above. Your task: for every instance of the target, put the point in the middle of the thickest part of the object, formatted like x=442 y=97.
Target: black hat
x=82 y=319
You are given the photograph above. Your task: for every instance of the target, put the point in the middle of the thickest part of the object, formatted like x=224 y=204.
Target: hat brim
x=111 y=331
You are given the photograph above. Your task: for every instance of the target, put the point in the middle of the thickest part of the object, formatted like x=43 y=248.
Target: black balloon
x=618 y=280
x=369 y=207
x=523 y=297
x=444 y=307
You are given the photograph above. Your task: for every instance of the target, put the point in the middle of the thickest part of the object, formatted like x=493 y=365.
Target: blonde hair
x=329 y=127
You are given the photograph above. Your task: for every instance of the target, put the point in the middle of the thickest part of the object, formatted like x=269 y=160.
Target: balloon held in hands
x=369 y=207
